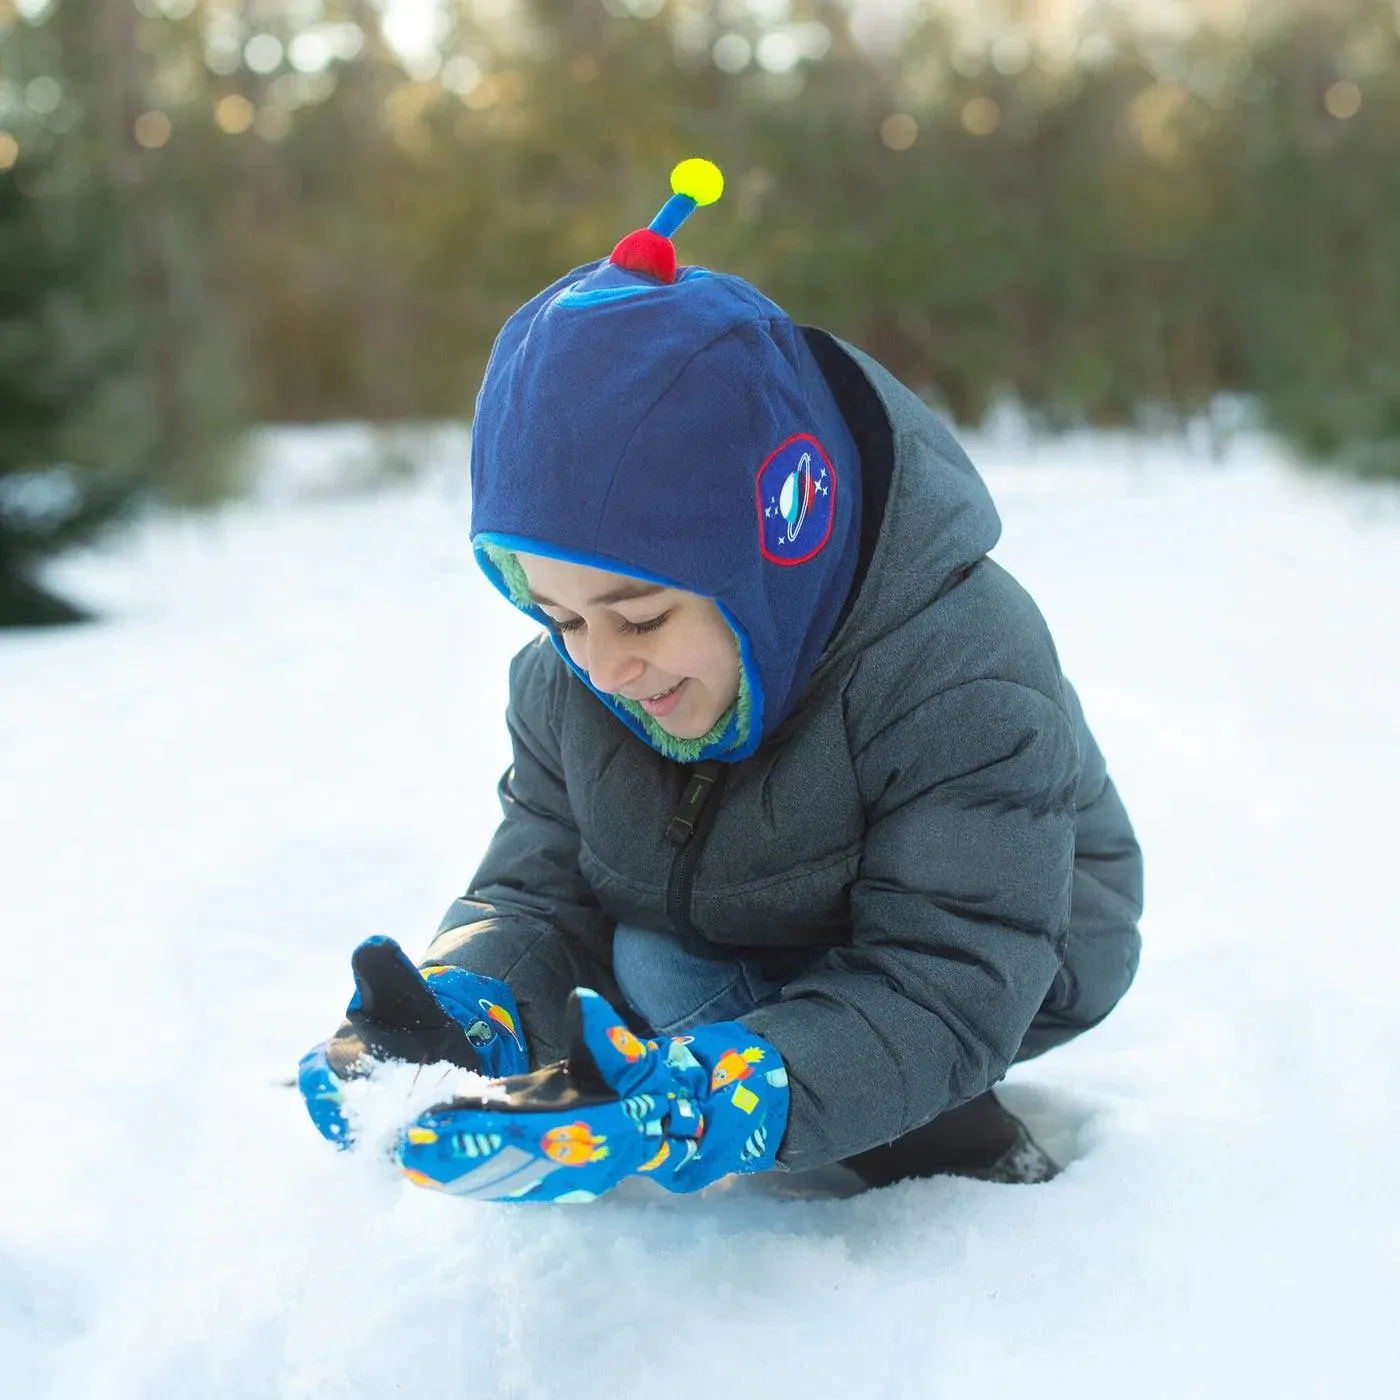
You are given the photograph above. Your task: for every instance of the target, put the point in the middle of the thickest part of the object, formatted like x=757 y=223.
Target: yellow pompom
x=700 y=179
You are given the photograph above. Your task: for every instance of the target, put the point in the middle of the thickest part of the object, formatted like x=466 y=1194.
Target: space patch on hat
x=796 y=501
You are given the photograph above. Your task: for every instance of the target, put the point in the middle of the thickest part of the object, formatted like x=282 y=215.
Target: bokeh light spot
x=233 y=114
x=813 y=39
x=778 y=52
x=460 y=75
x=1154 y=117
x=1343 y=100
x=152 y=130
x=263 y=53
x=732 y=53
x=899 y=131
x=347 y=40
x=1011 y=53
x=43 y=96
x=9 y=151
x=980 y=116
x=311 y=51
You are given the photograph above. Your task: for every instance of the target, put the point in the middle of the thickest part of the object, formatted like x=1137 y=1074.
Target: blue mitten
x=400 y=1012
x=684 y=1110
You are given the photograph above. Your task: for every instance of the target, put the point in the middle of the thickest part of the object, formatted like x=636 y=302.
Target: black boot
x=978 y=1139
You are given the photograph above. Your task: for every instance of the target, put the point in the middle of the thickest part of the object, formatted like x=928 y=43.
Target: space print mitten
x=424 y=1016
x=682 y=1110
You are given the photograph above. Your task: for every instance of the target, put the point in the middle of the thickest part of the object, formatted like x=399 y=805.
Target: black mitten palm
x=423 y=1016
x=395 y=1016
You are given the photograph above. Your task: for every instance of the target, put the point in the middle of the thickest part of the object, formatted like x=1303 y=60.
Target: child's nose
x=611 y=664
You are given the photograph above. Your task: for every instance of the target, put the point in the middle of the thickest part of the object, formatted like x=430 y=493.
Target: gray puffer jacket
x=934 y=821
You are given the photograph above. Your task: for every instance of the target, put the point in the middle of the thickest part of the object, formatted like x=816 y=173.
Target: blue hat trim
x=737 y=732
x=580 y=295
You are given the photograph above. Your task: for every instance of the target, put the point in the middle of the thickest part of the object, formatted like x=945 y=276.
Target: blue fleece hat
x=672 y=425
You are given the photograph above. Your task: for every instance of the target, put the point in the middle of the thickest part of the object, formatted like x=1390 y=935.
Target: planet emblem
x=795 y=499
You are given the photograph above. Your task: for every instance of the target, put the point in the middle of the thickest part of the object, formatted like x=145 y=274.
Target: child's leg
x=675 y=988
x=980 y=1138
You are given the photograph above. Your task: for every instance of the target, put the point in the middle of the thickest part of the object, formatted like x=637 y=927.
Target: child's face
x=642 y=641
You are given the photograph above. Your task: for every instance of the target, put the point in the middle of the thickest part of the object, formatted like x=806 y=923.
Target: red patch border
x=758 y=496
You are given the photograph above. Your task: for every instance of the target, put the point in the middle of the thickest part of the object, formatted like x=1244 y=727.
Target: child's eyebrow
x=621 y=594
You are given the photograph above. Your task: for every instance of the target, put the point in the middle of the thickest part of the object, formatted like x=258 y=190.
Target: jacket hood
x=679 y=432
x=928 y=515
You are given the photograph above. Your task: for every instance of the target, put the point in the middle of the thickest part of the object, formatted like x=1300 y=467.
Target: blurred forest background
x=216 y=213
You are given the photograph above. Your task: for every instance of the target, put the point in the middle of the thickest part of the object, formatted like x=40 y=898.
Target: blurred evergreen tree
x=135 y=72
x=1311 y=233
x=116 y=382
x=69 y=445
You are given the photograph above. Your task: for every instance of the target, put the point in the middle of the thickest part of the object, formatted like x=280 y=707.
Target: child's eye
x=636 y=629
x=630 y=629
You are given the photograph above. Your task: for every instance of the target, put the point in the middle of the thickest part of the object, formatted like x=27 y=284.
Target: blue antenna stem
x=673 y=214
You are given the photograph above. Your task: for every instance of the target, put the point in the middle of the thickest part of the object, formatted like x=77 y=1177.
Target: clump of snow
x=378 y=1105
x=286 y=738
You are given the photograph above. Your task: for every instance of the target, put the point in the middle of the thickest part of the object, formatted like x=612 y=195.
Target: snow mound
x=286 y=738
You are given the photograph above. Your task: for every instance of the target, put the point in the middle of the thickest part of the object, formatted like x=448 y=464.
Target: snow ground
x=286 y=738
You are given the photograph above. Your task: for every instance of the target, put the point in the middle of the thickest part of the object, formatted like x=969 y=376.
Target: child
x=799 y=794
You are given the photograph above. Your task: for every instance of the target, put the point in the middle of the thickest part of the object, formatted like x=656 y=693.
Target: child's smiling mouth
x=665 y=702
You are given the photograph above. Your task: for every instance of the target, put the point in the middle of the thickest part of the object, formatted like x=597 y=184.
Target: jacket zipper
x=688 y=830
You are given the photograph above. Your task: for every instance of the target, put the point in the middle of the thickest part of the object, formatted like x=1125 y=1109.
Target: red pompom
x=646 y=252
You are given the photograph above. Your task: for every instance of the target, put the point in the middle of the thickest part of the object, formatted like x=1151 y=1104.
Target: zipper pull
x=697 y=794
